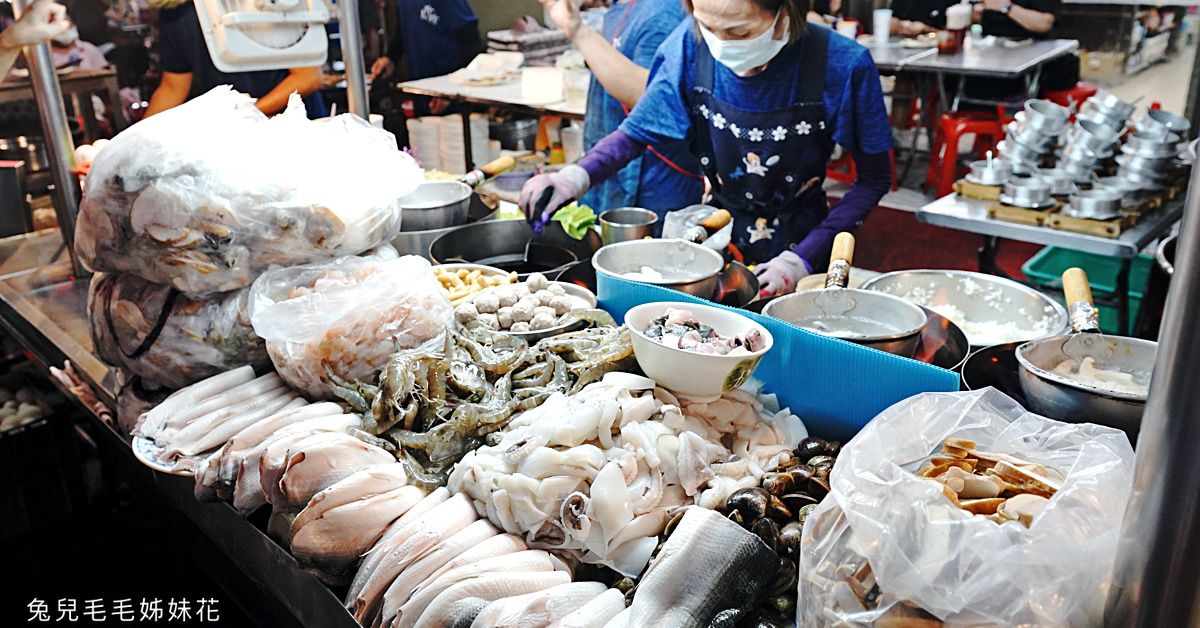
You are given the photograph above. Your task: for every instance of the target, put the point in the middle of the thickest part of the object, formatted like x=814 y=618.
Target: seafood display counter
x=46 y=311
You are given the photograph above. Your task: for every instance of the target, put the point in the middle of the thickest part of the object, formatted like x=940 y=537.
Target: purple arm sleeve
x=609 y=155
x=874 y=180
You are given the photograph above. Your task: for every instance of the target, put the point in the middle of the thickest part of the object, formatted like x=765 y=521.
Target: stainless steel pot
x=1110 y=103
x=418 y=242
x=684 y=266
x=1131 y=191
x=1065 y=399
x=1157 y=167
x=1032 y=139
x=1083 y=172
x=1022 y=158
x=1030 y=193
x=1061 y=182
x=1045 y=117
x=990 y=171
x=1094 y=204
x=1153 y=182
x=435 y=205
x=1152 y=144
x=979 y=298
x=506 y=244
x=31 y=150
x=1161 y=120
x=872 y=319
x=1095 y=136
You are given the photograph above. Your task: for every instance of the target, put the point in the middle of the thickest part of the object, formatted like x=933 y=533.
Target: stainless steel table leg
x=923 y=89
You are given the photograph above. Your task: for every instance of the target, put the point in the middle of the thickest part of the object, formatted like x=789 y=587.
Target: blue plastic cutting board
x=834 y=386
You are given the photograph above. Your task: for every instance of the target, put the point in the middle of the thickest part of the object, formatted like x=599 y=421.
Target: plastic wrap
x=677 y=223
x=964 y=569
x=346 y=317
x=166 y=337
x=208 y=195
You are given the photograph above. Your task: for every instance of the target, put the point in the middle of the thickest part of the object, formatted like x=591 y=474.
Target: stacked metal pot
x=1033 y=136
x=1088 y=142
x=1149 y=154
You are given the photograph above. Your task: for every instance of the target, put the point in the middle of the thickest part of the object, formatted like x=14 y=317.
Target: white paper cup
x=882 y=25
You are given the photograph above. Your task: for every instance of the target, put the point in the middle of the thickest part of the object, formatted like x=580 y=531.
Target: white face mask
x=743 y=55
x=68 y=37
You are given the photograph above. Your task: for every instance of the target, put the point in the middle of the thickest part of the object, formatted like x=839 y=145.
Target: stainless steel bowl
x=1151 y=144
x=685 y=266
x=1110 y=103
x=1092 y=135
x=1015 y=152
x=872 y=319
x=1147 y=166
x=1027 y=192
x=1152 y=183
x=1131 y=191
x=1045 y=117
x=996 y=171
x=980 y=299
x=435 y=205
x=1094 y=204
x=1061 y=182
x=1160 y=120
x=1083 y=172
x=626 y=223
x=1065 y=399
x=1030 y=138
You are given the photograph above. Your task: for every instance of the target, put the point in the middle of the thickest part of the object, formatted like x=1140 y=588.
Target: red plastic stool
x=1071 y=98
x=844 y=170
x=943 y=155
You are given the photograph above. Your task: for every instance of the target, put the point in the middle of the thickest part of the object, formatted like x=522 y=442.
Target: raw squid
x=597 y=612
x=519 y=562
x=160 y=426
x=230 y=462
x=186 y=399
x=440 y=614
x=321 y=461
x=217 y=428
x=540 y=609
x=708 y=566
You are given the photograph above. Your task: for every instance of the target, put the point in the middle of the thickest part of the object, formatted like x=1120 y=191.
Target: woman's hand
x=547 y=193
x=781 y=274
x=383 y=66
x=565 y=15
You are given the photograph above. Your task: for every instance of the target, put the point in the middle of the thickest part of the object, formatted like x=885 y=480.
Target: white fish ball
x=487 y=303
x=466 y=313
x=522 y=312
x=557 y=289
x=544 y=297
x=508 y=297
x=542 y=321
x=537 y=282
x=490 y=321
x=520 y=327
x=505 y=316
x=561 y=305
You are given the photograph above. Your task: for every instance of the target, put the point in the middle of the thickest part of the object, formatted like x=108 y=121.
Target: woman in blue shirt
x=668 y=178
x=764 y=97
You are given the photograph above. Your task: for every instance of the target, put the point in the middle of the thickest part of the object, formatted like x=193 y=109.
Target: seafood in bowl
x=679 y=329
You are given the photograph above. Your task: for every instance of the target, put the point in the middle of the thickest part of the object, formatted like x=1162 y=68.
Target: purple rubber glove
x=547 y=193
x=780 y=274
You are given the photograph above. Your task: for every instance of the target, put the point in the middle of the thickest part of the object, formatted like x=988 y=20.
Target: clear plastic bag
x=346 y=317
x=676 y=224
x=961 y=568
x=168 y=338
x=208 y=195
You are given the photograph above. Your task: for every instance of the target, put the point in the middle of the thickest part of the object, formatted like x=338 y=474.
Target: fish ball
x=544 y=297
x=561 y=305
x=522 y=312
x=487 y=303
x=508 y=297
x=557 y=289
x=505 y=316
x=490 y=321
x=466 y=313
x=542 y=321
x=544 y=309
x=520 y=327
x=537 y=282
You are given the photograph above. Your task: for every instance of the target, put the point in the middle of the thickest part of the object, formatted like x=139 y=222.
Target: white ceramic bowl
x=686 y=372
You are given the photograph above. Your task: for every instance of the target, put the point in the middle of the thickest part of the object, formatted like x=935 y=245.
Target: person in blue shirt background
x=668 y=178
x=764 y=96
x=188 y=70
x=435 y=38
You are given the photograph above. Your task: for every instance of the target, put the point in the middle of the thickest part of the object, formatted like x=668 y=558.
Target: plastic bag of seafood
x=168 y=338
x=346 y=317
x=891 y=546
x=206 y=196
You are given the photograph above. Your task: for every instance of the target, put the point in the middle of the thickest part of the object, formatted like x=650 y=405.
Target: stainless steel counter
x=46 y=310
x=893 y=57
x=1001 y=60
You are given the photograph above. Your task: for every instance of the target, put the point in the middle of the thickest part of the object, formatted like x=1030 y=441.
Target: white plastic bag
x=168 y=338
x=346 y=317
x=961 y=568
x=679 y=221
x=208 y=195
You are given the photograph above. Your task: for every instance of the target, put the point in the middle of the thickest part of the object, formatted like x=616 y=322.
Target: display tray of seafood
x=486 y=479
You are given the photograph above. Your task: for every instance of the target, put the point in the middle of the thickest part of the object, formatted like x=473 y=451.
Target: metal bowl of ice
x=990 y=310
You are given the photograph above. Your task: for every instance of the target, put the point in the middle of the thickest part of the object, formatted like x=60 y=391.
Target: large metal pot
x=1061 y=182
x=418 y=242
x=505 y=244
x=684 y=266
x=872 y=319
x=1066 y=399
x=1162 y=121
x=1030 y=193
x=435 y=205
x=1097 y=137
x=978 y=299
x=31 y=150
x=990 y=171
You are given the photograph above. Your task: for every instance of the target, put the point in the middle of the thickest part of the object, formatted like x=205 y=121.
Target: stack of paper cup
x=882 y=25
x=451 y=147
x=423 y=141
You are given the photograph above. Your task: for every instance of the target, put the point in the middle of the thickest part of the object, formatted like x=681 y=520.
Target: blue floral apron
x=767 y=167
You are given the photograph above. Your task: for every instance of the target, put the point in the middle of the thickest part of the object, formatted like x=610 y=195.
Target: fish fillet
x=323 y=461
x=596 y=613
x=527 y=561
x=490 y=588
x=435 y=526
x=390 y=539
x=432 y=560
x=209 y=431
x=335 y=540
x=709 y=565
x=208 y=406
x=246 y=440
x=499 y=545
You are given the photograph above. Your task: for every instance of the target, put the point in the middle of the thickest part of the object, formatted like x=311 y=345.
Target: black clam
x=750 y=503
x=803 y=513
x=817 y=461
x=811 y=446
x=796 y=501
x=782 y=605
x=818 y=487
x=791 y=534
x=800 y=473
x=778 y=483
x=785 y=577
x=768 y=531
x=777 y=510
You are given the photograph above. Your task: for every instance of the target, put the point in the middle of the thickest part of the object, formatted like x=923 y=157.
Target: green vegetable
x=576 y=219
